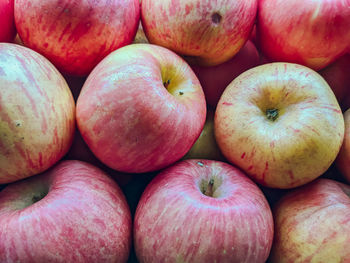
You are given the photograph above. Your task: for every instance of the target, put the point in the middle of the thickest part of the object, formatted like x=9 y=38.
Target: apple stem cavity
x=272 y=114
x=209 y=191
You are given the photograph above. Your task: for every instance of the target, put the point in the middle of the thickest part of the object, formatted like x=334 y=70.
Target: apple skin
x=209 y=32
x=312 y=224
x=215 y=79
x=37 y=113
x=311 y=33
x=7 y=21
x=176 y=222
x=80 y=151
x=343 y=159
x=205 y=146
x=76 y=34
x=127 y=117
x=337 y=76
x=297 y=146
x=83 y=216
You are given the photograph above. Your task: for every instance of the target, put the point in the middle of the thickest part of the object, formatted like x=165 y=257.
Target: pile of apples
x=175 y=131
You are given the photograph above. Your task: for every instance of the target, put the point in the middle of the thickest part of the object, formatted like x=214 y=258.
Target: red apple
x=37 y=113
x=280 y=123
x=215 y=79
x=205 y=146
x=337 y=76
x=210 y=32
x=312 y=33
x=312 y=224
x=202 y=211
x=343 y=158
x=141 y=109
x=71 y=213
x=7 y=21
x=76 y=35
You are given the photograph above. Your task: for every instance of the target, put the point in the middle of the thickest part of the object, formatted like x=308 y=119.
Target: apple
x=312 y=33
x=312 y=224
x=72 y=213
x=207 y=32
x=202 y=211
x=337 y=76
x=343 y=159
x=75 y=35
x=37 y=113
x=7 y=21
x=215 y=79
x=205 y=146
x=141 y=109
x=281 y=123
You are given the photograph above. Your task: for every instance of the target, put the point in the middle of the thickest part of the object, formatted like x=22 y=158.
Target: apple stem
x=210 y=187
x=272 y=114
x=166 y=83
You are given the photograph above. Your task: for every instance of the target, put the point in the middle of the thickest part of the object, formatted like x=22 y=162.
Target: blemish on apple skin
x=181 y=93
x=250 y=167
x=227 y=103
x=243 y=155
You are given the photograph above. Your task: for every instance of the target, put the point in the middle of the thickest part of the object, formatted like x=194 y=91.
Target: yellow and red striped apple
x=202 y=211
x=72 y=213
x=281 y=123
x=37 y=113
x=207 y=32
x=312 y=224
x=311 y=33
x=141 y=109
x=76 y=35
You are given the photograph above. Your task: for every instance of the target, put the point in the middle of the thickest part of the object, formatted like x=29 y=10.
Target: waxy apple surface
x=311 y=33
x=141 y=109
x=37 y=113
x=312 y=224
x=76 y=34
x=72 y=213
x=208 y=32
x=7 y=21
x=281 y=123
x=202 y=211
